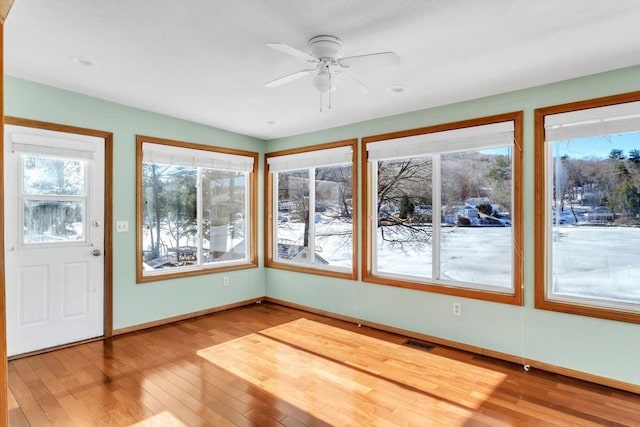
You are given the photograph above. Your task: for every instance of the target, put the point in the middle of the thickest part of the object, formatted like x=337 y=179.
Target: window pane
x=223 y=215
x=404 y=199
x=292 y=228
x=169 y=216
x=595 y=218
x=476 y=197
x=333 y=216
x=52 y=176
x=47 y=221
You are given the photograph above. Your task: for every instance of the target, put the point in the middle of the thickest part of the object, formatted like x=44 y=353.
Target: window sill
x=349 y=275
x=141 y=278
x=543 y=303
x=499 y=297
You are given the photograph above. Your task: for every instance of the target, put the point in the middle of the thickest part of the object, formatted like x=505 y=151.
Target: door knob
x=96 y=252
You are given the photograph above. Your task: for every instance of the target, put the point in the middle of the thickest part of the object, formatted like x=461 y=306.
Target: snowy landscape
x=590 y=261
x=602 y=262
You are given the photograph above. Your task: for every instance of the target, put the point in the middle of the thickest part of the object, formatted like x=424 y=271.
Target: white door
x=54 y=238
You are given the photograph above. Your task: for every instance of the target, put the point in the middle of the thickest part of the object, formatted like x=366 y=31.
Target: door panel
x=54 y=238
x=75 y=289
x=34 y=291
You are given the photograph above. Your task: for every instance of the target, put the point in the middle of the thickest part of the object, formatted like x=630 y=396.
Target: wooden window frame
x=541 y=207
x=252 y=211
x=514 y=298
x=270 y=259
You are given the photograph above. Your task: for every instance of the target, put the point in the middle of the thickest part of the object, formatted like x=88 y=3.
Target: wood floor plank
x=202 y=396
x=27 y=402
x=269 y=365
x=17 y=419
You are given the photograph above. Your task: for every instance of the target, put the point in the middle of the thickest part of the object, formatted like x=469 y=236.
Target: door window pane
x=47 y=221
x=53 y=176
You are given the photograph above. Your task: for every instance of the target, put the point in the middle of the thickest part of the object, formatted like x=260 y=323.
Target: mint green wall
x=134 y=304
x=600 y=347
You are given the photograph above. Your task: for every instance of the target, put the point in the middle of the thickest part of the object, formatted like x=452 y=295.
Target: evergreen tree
x=406 y=207
x=616 y=154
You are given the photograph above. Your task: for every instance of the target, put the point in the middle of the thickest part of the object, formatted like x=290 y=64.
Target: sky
x=599 y=147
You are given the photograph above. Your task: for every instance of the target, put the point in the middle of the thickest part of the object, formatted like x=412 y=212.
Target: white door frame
x=108 y=207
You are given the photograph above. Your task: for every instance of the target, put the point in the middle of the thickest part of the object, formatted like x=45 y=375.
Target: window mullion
x=247 y=215
x=312 y=214
x=373 y=221
x=274 y=213
x=436 y=210
x=548 y=215
x=199 y=216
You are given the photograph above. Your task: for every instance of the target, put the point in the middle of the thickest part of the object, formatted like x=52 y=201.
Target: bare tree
x=398 y=179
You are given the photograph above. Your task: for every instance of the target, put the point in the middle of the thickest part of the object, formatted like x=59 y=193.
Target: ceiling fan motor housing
x=329 y=47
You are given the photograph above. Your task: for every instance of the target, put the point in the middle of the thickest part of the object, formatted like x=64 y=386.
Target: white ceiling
x=206 y=60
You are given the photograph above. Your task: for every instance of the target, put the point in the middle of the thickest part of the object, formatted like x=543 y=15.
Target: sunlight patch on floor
x=11 y=400
x=345 y=378
x=163 y=419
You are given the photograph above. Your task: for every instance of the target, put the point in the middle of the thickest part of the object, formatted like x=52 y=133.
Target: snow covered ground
x=602 y=262
x=480 y=255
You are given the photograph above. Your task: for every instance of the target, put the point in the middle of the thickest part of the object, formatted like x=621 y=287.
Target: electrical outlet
x=225 y=281
x=456 y=309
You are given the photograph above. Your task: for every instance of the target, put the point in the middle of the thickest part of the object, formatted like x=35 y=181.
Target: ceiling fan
x=325 y=55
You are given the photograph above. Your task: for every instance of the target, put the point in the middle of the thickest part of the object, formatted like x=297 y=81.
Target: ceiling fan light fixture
x=323 y=81
x=325 y=47
x=325 y=52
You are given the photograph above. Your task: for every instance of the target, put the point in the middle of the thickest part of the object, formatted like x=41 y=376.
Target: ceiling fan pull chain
x=330 y=89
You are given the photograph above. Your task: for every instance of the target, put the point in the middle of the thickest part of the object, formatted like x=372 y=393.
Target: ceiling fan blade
x=354 y=77
x=379 y=58
x=280 y=47
x=289 y=77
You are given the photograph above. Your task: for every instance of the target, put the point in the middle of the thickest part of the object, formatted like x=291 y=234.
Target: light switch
x=122 y=226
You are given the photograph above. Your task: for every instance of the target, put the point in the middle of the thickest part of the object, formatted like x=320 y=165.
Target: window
x=587 y=164
x=54 y=199
x=443 y=205
x=310 y=195
x=53 y=188
x=196 y=209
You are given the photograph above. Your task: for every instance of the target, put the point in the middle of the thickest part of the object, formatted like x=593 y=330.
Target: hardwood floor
x=268 y=365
